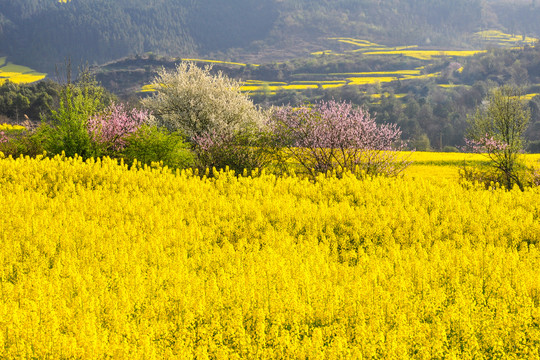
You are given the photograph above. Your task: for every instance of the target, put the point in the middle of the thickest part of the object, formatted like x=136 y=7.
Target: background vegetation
x=41 y=33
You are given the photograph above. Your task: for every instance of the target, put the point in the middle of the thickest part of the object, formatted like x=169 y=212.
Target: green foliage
x=27 y=143
x=78 y=102
x=33 y=100
x=497 y=128
x=240 y=152
x=70 y=134
x=153 y=144
x=421 y=143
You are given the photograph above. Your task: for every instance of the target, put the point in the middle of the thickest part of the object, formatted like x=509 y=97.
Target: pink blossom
x=487 y=144
x=111 y=127
x=330 y=135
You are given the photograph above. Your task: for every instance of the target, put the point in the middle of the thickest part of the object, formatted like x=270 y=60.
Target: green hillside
x=42 y=33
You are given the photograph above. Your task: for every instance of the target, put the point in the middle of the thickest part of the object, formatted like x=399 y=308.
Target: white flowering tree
x=194 y=101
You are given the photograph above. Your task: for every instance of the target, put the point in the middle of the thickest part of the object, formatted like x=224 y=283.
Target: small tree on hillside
x=194 y=101
x=497 y=129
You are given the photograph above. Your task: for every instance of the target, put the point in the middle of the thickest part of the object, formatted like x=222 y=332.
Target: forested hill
x=42 y=33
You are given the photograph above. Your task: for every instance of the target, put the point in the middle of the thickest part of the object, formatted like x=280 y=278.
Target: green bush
x=153 y=144
x=238 y=151
x=28 y=142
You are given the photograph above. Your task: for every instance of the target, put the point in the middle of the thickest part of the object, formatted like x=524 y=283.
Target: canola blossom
x=101 y=261
x=11 y=128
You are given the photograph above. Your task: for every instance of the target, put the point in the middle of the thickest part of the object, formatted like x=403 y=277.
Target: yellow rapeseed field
x=427 y=54
x=102 y=262
x=502 y=39
x=18 y=74
x=436 y=165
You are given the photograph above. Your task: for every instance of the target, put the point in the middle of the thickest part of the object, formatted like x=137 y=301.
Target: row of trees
x=203 y=120
x=197 y=119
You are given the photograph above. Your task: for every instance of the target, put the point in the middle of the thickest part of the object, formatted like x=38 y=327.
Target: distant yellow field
x=439 y=165
x=18 y=74
x=342 y=79
x=9 y=127
x=427 y=54
x=503 y=39
x=530 y=96
x=375 y=73
x=218 y=62
x=448 y=85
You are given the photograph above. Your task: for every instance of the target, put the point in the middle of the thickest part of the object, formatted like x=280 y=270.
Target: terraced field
x=365 y=48
x=305 y=81
x=498 y=38
x=18 y=74
x=217 y=62
x=368 y=48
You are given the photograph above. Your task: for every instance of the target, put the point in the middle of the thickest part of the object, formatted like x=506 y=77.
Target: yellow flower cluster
x=101 y=261
x=10 y=127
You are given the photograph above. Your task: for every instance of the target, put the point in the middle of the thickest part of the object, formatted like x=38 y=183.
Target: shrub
x=70 y=122
x=449 y=148
x=193 y=101
x=332 y=136
x=152 y=144
x=237 y=151
x=27 y=142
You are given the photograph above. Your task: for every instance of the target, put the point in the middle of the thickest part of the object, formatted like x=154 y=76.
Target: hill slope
x=41 y=33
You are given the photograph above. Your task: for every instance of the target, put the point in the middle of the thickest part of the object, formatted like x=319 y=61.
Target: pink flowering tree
x=497 y=130
x=111 y=128
x=334 y=136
